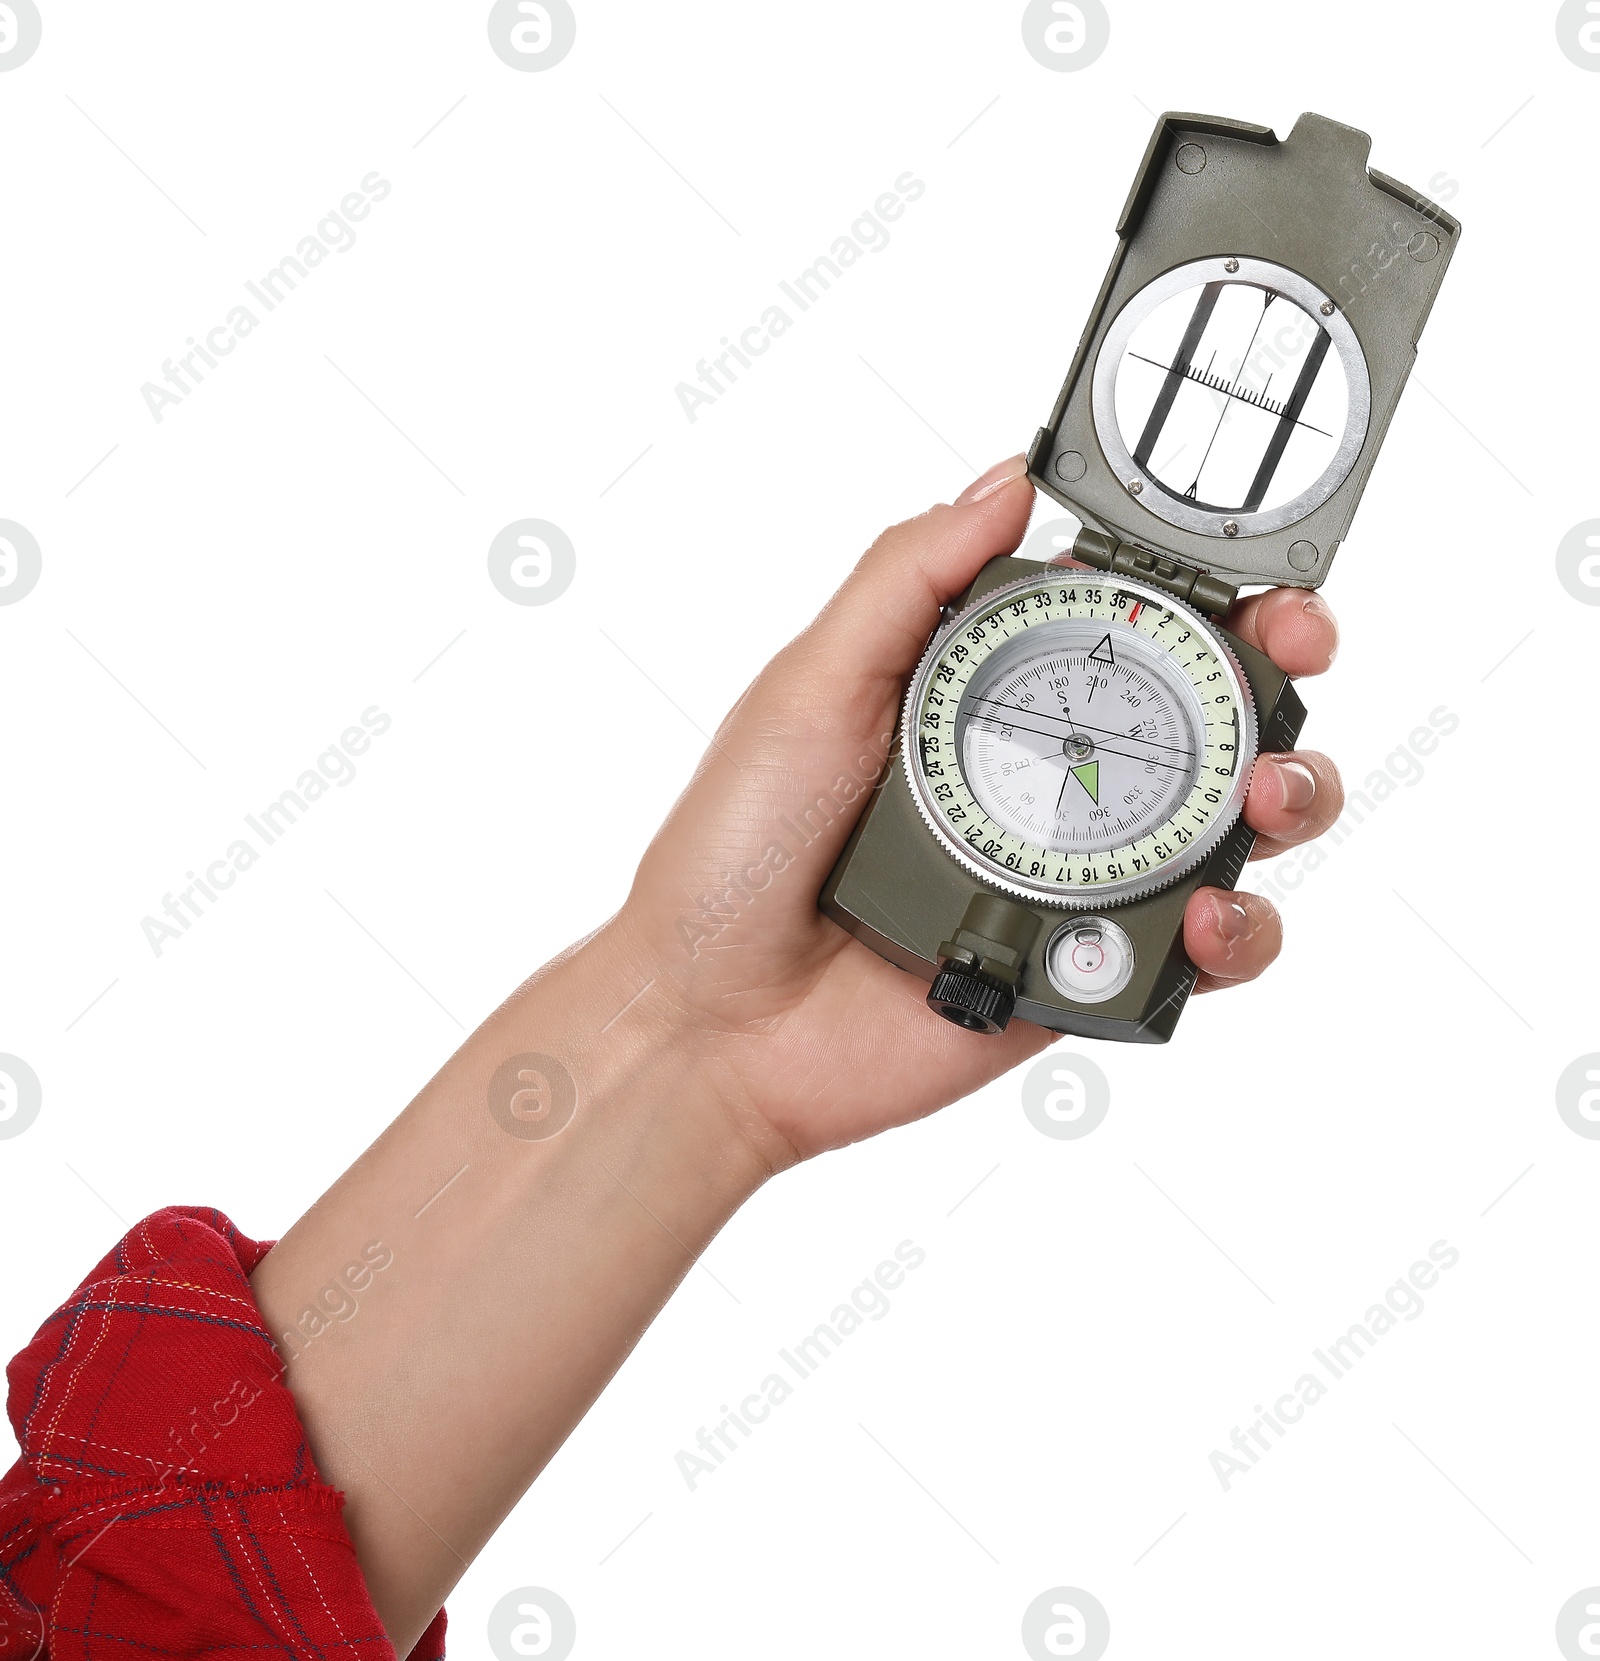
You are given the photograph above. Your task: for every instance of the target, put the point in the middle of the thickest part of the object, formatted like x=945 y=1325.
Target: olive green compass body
x=1077 y=742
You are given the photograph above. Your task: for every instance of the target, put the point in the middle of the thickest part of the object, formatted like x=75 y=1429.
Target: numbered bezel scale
x=1054 y=615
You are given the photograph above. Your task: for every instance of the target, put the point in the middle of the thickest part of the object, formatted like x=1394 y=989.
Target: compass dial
x=1078 y=740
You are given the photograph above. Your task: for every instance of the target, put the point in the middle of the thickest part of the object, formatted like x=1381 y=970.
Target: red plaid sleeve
x=166 y=1502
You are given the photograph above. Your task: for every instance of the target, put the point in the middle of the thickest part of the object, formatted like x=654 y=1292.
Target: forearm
x=525 y=1265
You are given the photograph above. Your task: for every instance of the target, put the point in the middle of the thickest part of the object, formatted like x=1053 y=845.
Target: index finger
x=1293 y=626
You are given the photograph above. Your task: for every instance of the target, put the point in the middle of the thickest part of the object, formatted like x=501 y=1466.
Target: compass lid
x=1248 y=348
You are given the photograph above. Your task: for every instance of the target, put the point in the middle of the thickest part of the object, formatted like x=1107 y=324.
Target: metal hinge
x=1126 y=559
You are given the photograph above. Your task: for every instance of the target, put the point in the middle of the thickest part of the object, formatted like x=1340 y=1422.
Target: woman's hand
x=813 y=1040
x=717 y=1029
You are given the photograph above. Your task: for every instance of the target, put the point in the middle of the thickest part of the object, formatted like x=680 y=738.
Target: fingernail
x=1233 y=921
x=1297 y=784
x=1315 y=606
x=1002 y=473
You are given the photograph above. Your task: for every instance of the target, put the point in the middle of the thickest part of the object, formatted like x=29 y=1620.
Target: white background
x=275 y=556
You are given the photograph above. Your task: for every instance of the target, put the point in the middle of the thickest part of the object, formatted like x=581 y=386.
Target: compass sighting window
x=1231 y=401
x=1228 y=395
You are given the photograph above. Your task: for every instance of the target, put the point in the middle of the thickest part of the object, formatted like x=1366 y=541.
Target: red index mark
x=1133 y=616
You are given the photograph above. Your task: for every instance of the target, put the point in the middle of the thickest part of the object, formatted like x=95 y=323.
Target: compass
x=1077 y=742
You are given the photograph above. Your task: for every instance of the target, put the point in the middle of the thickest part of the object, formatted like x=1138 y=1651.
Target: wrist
x=638 y=1071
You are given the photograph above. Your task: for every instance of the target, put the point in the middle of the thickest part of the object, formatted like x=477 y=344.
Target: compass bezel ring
x=1192 y=516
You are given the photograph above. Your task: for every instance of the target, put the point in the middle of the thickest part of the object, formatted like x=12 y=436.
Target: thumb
x=812 y=731
x=875 y=628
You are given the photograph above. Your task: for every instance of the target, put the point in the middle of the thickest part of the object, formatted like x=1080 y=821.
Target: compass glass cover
x=1079 y=740
x=1074 y=739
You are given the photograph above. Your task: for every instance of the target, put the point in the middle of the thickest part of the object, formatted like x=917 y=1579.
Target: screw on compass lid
x=971 y=1000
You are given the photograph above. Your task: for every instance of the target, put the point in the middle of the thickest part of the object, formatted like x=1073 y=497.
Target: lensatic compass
x=1077 y=743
